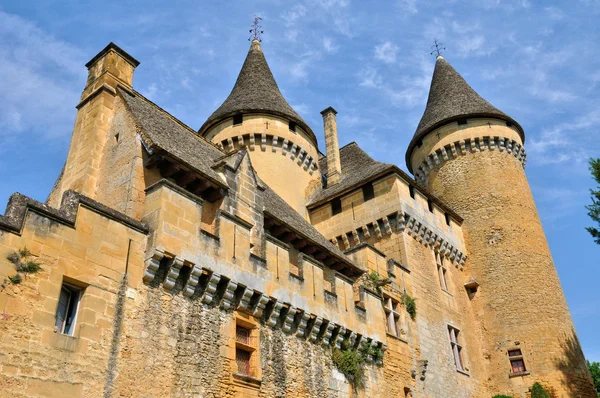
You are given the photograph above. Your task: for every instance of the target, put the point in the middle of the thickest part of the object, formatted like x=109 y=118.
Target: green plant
x=502 y=396
x=373 y=280
x=23 y=263
x=594 y=208
x=594 y=368
x=537 y=391
x=350 y=363
x=410 y=304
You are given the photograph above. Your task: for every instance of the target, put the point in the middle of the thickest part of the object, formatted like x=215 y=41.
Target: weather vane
x=256 y=30
x=438 y=48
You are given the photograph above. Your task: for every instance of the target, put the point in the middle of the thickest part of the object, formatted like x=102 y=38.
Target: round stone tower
x=282 y=147
x=471 y=155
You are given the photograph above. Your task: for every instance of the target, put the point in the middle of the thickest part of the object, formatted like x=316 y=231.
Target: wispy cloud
x=39 y=73
x=386 y=52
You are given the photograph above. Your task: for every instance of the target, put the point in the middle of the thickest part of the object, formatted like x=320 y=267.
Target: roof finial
x=256 y=30
x=438 y=48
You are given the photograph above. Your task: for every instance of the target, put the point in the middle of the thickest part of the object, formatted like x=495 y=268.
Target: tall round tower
x=283 y=148
x=471 y=155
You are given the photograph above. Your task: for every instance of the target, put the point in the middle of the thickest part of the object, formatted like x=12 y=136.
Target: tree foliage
x=537 y=391
x=594 y=208
x=594 y=368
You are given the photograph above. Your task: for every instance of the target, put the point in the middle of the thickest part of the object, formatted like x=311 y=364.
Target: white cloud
x=370 y=78
x=329 y=45
x=568 y=142
x=554 y=13
x=40 y=75
x=386 y=52
x=408 y=6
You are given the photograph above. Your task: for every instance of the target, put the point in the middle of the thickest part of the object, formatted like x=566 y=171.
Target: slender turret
x=471 y=155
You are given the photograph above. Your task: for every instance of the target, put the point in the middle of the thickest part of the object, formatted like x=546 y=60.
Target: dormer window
x=292 y=126
x=238 y=119
x=336 y=206
x=368 y=191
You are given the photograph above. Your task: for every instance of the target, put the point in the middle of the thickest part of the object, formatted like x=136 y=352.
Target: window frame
x=368 y=191
x=457 y=348
x=71 y=310
x=238 y=119
x=248 y=345
x=442 y=271
x=516 y=358
x=395 y=320
x=335 y=209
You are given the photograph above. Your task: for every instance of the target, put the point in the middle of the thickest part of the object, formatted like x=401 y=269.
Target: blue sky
x=536 y=61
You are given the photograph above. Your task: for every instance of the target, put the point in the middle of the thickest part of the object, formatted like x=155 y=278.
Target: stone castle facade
x=238 y=260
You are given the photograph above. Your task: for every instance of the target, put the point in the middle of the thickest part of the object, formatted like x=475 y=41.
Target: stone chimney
x=110 y=68
x=334 y=167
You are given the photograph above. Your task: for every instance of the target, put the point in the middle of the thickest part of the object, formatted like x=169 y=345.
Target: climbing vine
x=24 y=265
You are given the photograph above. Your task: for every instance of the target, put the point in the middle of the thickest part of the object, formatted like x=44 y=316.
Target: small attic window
x=461 y=122
x=447 y=219
x=238 y=119
x=336 y=206
x=292 y=126
x=430 y=205
x=411 y=189
x=419 y=143
x=509 y=124
x=368 y=191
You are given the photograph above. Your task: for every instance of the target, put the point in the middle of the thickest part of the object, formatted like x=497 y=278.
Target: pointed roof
x=451 y=98
x=255 y=91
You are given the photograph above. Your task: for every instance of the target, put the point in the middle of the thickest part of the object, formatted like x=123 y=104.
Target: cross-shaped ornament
x=267 y=124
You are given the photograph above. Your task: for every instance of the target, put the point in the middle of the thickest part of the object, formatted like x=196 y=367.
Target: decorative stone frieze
x=297 y=152
x=412 y=226
x=288 y=321
x=192 y=282
x=229 y=295
x=152 y=265
x=465 y=147
x=211 y=288
x=173 y=274
x=245 y=300
x=310 y=326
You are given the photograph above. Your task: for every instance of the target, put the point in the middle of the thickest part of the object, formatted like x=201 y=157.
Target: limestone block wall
x=86 y=245
x=519 y=304
x=392 y=209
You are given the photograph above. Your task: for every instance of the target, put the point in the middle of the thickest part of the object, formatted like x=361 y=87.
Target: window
x=441 y=268
x=368 y=192
x=336 y=206
x=461 y=122
x=517 y=365
x=411 y=189
x=238 y=119
x=292 y=126
x=66 y=311
x=395 y=320
x=447 y=219
x=456 y=347
x=430 y=205
x=245 y=348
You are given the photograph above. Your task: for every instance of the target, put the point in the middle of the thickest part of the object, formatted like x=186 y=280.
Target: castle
x=238 y=260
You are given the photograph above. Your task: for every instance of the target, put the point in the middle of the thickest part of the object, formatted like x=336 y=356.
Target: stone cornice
x=402 y=221
x=236 y=296
x=465 y=147
x=18 y=206
x=251 y=141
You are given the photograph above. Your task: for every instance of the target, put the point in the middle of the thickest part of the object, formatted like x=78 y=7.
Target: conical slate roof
x=255 y=91
x=451 y=98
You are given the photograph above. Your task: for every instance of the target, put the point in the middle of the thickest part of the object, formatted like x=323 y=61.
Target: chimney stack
x=334 y=167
